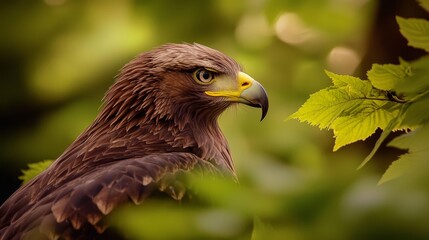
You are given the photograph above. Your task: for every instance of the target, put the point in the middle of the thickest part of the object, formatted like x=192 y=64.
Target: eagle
x=158 y=123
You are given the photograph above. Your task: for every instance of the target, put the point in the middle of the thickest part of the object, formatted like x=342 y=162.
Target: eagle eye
x=203 y=75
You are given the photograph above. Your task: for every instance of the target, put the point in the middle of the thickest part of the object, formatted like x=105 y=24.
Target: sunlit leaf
x=417 y=79
x=351 y=107
x=326 y=105
x=323 y=107
x=363 y=124
x=416 y=31
x=386 y=76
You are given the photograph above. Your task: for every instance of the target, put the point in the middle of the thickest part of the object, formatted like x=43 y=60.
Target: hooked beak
x=243 y=90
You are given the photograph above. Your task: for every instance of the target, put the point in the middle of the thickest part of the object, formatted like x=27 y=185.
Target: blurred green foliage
x=341 y=206
x=33 y=170
x=58 y=57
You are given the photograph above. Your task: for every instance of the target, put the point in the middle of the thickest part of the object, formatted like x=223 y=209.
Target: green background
x=58 y=57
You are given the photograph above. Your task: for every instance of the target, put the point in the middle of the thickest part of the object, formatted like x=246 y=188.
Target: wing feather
x=83 y=201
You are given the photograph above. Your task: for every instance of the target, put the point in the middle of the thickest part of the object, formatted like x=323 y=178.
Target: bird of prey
x=158 y=121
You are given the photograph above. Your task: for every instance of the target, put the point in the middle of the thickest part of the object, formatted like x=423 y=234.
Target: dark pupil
x=205 y=75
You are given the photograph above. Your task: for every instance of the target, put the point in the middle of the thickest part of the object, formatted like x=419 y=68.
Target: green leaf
x=416 y=31
x=323 y=107
x=416 y=143
x=362 y=124
x=356 y=84
x=417 y=113
x=398 y=168
x=351 y=107
x=424 y=4
x=417 y=80
x=385 y=77
x=380 y=140
x=33 y=170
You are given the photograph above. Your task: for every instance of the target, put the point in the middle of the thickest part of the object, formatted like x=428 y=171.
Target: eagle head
x=186 y=83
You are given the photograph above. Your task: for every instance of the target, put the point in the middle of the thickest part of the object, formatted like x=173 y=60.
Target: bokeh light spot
x=343 y=60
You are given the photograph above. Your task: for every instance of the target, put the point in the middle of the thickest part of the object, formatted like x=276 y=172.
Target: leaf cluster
x=393 y=97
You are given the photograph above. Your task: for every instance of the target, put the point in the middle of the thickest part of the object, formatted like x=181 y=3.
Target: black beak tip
x=262 y=103
x=264 y=113
x=264 y=107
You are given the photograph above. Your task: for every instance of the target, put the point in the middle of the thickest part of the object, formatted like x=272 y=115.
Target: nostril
x=245 y=84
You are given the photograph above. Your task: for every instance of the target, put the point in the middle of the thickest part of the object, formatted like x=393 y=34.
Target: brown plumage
x=158 y=121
